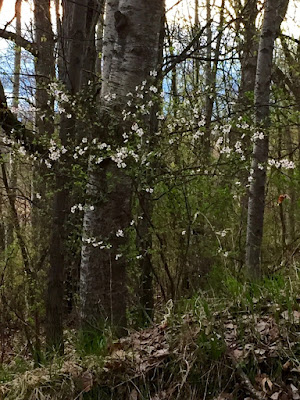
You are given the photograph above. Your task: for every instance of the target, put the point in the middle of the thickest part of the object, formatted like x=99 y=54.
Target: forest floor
x=237 y=341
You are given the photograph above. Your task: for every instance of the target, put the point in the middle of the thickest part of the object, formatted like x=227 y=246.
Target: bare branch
x=20 y=41
x=14 y=129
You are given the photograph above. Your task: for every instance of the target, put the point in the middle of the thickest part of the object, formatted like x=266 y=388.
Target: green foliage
x=93 y=341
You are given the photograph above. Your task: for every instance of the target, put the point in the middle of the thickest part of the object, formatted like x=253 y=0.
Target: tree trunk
x=130 y=52
x=44 y=75
x=16 y=90
x=73 y=27
x=249 y=49
x=274 y=13
x=249 y=55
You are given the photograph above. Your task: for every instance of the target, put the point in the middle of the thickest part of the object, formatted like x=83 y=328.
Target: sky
x=179 y=9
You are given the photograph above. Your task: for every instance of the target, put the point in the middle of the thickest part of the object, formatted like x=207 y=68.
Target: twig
x=246 y=381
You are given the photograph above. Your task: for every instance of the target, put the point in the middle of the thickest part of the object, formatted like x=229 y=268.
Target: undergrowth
x=233 y=340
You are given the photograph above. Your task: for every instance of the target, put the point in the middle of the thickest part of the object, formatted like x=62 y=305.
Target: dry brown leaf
x=266 y=384
x=287 y=365
x=261 y=326
x=238 y=354
x=119 y=354
x=87 y=381
x=275 y=396
x=294 y=316
x=260 y=351
x=133 y=395
x=161 y=353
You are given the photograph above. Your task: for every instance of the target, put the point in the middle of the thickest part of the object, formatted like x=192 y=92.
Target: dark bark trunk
x=77 y=66
x=274 y=13
x=72 y=48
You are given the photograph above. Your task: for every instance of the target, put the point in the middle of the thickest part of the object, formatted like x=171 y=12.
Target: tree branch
x=185 y=53
x=14 y=129
x=20 y=41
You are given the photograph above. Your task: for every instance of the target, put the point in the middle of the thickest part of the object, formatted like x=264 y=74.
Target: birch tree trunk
x=274 y=13
x=130 y=52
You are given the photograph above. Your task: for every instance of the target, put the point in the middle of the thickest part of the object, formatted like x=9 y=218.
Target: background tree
x=274 y=14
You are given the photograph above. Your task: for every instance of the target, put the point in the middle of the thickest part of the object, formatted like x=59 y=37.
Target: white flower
x=153 y=73
x=38 y=196
x=135 y=127
x=219 y=141
x=197 y=135
x=226 y=128
x=92 y=208
x=222 y=233
x=118 y=256
x=287 y=164
x=183 y=233
x=120 y=233
x=257 y=136
x=73 y=209
x=153 y=89
x=48 y=164
x=22 y=150
x=140 y=132
x=84 y=140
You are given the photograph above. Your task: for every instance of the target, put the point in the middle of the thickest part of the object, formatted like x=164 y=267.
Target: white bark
x=130 y=52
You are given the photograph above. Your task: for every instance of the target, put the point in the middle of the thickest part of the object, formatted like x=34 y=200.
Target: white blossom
x=257 y=136
x=120 y=233
x=153 y=89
